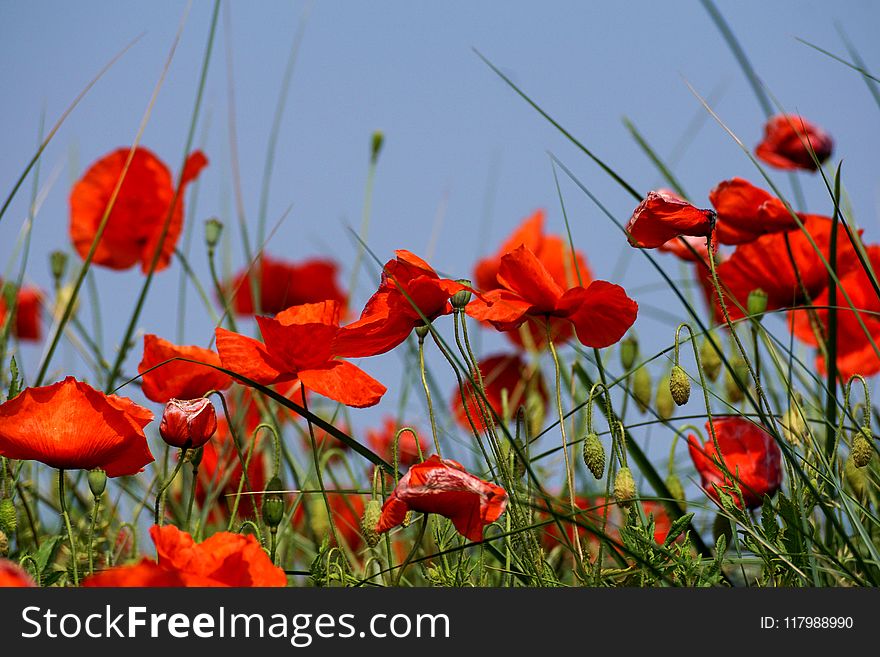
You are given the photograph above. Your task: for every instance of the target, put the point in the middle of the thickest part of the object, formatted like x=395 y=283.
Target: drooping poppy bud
x=370 y=520
x=679 y=385
x=8 y=519
x=594 y=455
x=642 y=388
x=676 y=490
x=624 y=488
x=710 y=359
x=188 y=423
x=665 y=402
x=629 y=350
x=862 y=451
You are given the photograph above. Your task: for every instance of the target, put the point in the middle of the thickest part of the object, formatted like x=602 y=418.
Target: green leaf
x=768 y=520
x=46 y=552
x=678 y=526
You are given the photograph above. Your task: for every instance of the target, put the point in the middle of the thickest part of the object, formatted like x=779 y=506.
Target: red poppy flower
x=283 y=284
x=299 y=344
x=381 y=441
x=746 y=212
x=347 y=510
x=855 y=353
x=27 y=313
x=787 y=142
x=444 y=487
x=13 y=576
x=750 y=454
x=70 y=425
x=389 y=316
x=224 y=559
x=188 y=422
x=501 y=372
x=561 y=263
x=600 y=313
x=138 y=216
x=178 y=379
x=663 y=216
x=765 y=263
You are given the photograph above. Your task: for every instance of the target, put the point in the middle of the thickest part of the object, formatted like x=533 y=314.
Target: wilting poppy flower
x=13 y=576
x=69 y=425
x=409 y=449
x=224 y=559
x=855 y=353
x=501 y=372
x=746 y=212
x=188 y=423
x=750 y=454
x=444 y=487
x=27 y=313
x=766 y=264
x=663 y=216
x=347 y=510
x=788 y=140
x=389 y=316
x=600 y=313
x=178 y=379
x=565 y=266
x=299 y=344
x=138 y=216
x=283 y=284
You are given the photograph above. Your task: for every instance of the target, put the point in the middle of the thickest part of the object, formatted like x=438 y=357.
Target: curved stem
x=412 y=552
x=66 y=518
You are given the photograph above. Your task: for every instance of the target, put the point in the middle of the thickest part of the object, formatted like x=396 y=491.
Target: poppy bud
x=376 y=145
x=97 y=481
x=665 y=403
x=624 y=488
x=536 y=409
x=372 y=513
x=679 y=385
x=213 y=230
x=857 y=479
x=273 y=504
x=642 y=388
x=58 y=265
x=862 y=451
x=676 y=490
x=8 y=520
x=629 y=350
x=4 y=544
x=740 y=374
x=594 y=455
x=422 y=331
x=188 y=422
x=461 y=298
x=794 y=428
x=710 y=359
x=756 y=305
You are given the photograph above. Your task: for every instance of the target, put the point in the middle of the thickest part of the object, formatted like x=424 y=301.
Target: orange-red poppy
x=855 y=353
x=410 y=449
x=136 y=222
x=444 y=487
x=283 y=284
x=224 y=559
x=188 y=423
x=746 y=212
x=390 y=314
x=299 y=344
x=70 y=425
x=503 y=374
x=600 y=313
x=13 y=576
x=788 y=139
x=662 y=216
x=178 y=379
x=28 y=302
x=565 y=266
x=750 y=454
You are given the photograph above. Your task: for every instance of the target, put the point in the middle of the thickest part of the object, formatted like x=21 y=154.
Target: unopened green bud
x=8 y=519
x=679 y=385
x=461 y=298
x=422 y=331
x=594 y=455
x=58 y=265
x=536 y=410
x=756 y=304
x=213 y=230
x=629 y=351
x=857 y=479
x=376 y=145
x=676 y=490
x=273 y=504
x=665 y=403
x=369 y=521
x=97 y=481
x=731 y=381
x=624 y=488
x=862 y=450
x=709 y=359
x=642 y=388
x=794 y=428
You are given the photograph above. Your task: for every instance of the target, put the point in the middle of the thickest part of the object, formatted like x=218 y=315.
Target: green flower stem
x=160 y=495
x=192 y=494
x=320 y=476
x=66 y=518
x=412 y=552
x=95 y=508
x=428 y=395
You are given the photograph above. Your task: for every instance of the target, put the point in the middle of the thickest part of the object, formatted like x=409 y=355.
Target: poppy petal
x=602 y=313
x=343 y=382
x=248 y=357
x=178 y=379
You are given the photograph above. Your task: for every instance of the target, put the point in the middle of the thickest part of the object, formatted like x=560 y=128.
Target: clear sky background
x=464 y=160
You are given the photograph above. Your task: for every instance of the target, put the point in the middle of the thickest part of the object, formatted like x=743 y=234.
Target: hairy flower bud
x=676 y=490
x=665 y=403
x=624 y=487
x=857 y=479
x=8 y=519
x=629 y=351
x=58 y=265
x=862 y=450
x=273 y=504
x=732 y=381
x=756 y=305
x=794 y=428
x=679 y=385
x=709 y=359
x=97 y=481
x=188 y=423
x=594 y=455
x=369 y=521
x=4 y=544
x=642 y=388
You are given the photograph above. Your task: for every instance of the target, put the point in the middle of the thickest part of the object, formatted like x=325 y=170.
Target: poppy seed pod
x=213 y=230
x=756 y=304
x=372 y=513
x=624 y=488
x=188 y=423
x=710 y=359
x=594 y=455
x=273 y=504
x=679 y=385
x=8 y=520
x=422 y=331
x=629 y=350
x=97 y=481
x=862 y=451
x=461 y=298
x=642 y=388
x=58 y=264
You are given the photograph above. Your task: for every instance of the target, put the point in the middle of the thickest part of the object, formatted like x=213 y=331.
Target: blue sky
x=464 y=158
